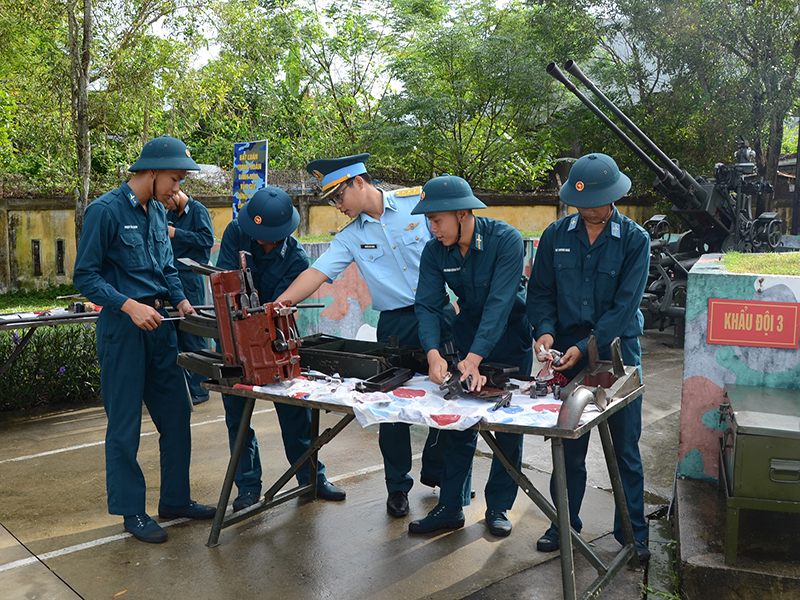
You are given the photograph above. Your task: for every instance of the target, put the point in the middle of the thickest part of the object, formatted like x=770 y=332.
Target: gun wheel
x=774 y=234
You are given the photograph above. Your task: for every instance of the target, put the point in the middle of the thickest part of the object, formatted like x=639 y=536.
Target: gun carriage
x=717 y=212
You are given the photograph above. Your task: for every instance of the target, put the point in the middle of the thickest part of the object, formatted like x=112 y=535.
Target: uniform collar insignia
x=573 y=223
x=132 y=198
x=615 y=232
x=411 y=226
x=283 y=248
x=390 y=202
x=478 y=241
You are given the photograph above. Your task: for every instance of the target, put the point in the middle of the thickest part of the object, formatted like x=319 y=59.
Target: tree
x=745 y=53
x=80 y=50
x=475 y=100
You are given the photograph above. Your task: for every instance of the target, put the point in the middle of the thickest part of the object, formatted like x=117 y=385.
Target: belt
x=156 y=303
x=405 y=309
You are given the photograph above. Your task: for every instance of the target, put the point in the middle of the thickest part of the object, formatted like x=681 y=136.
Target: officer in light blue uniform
x=480 y=260
x=386 y=242
x=124 y=264
x=263 y=230
x=588 y=278
x=192 y=235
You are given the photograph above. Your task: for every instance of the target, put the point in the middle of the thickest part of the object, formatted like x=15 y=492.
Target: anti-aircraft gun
x=717 y=212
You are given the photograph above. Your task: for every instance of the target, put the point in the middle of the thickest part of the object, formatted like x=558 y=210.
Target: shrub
x=57 y=366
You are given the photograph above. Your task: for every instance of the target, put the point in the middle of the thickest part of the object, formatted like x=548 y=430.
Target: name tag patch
x=369 y=246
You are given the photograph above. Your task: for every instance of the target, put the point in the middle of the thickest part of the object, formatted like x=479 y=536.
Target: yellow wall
x=47 y=227
x=220 y=217
x=49 y=224
x=324 y=219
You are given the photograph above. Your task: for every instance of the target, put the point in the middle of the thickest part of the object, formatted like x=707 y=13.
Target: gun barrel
x=686 y=180
x=555 y=72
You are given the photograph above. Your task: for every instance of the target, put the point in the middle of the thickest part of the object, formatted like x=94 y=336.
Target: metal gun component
x=279 y=343
x=454 y=386
x=504 y=401
x=571 y=410
x=541 y=388
x=716 y=211
x=385 y=382
x=257 y=342
x=320 y=376
x=196 y=267
x=599 y=384
x=357 y=358
x=551 y=358
x=556 y=391
x=593 y=355
x=498 y=375
x=616 y=358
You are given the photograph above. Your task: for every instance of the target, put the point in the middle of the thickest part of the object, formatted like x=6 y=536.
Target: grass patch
x=769 y=263
x=29 y=300
x=526 y=233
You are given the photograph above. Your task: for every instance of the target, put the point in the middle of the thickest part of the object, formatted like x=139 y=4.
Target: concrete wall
x=51 y=219
x=708 y=367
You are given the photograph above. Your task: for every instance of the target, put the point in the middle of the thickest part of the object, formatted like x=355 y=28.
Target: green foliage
x=57 y=366
x=475 y=100
x=425 y=86
x=790 y=139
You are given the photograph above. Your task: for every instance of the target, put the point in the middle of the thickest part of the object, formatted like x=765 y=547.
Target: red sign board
x=743 y=323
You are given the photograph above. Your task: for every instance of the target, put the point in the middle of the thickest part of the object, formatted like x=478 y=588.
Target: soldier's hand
x=571 y=358
x=185 y=308
x=143 y=316
x=541 y=347
x=469 y=367
x=437 y=367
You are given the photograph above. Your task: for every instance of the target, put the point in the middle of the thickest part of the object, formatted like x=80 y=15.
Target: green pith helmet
x=165 y=153
x=446 y=193
x=333 y=173
x=269 y=215
x=594 y=181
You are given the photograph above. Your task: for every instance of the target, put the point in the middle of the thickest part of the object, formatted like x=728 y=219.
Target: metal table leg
x=272 y=497
x=562 y=508
x=18 y=350
x=560 y=515
x=313 y=463
x=619 y=492
x=233 y=464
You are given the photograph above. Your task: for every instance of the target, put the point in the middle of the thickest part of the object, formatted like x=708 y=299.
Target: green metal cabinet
x=759 y=453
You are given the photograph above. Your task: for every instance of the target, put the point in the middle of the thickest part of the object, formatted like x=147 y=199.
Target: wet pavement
x=57 y=540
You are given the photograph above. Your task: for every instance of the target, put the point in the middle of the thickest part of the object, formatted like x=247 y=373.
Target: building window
x=36 y=249
x=60 y=257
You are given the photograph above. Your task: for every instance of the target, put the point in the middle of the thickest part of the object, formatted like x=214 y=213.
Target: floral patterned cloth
x=421 y=402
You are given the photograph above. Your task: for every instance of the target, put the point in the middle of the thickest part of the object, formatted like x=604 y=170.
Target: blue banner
x=249 y=171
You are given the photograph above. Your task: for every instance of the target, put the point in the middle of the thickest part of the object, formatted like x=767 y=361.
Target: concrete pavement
x=52 y=502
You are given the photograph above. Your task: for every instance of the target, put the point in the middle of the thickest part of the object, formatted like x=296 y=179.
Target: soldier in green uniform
x=480 y=260
x=587 y=279
x=124 y=264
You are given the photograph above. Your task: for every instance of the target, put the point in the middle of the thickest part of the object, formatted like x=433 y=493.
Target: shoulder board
x=415 y=191
x=346 y=224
